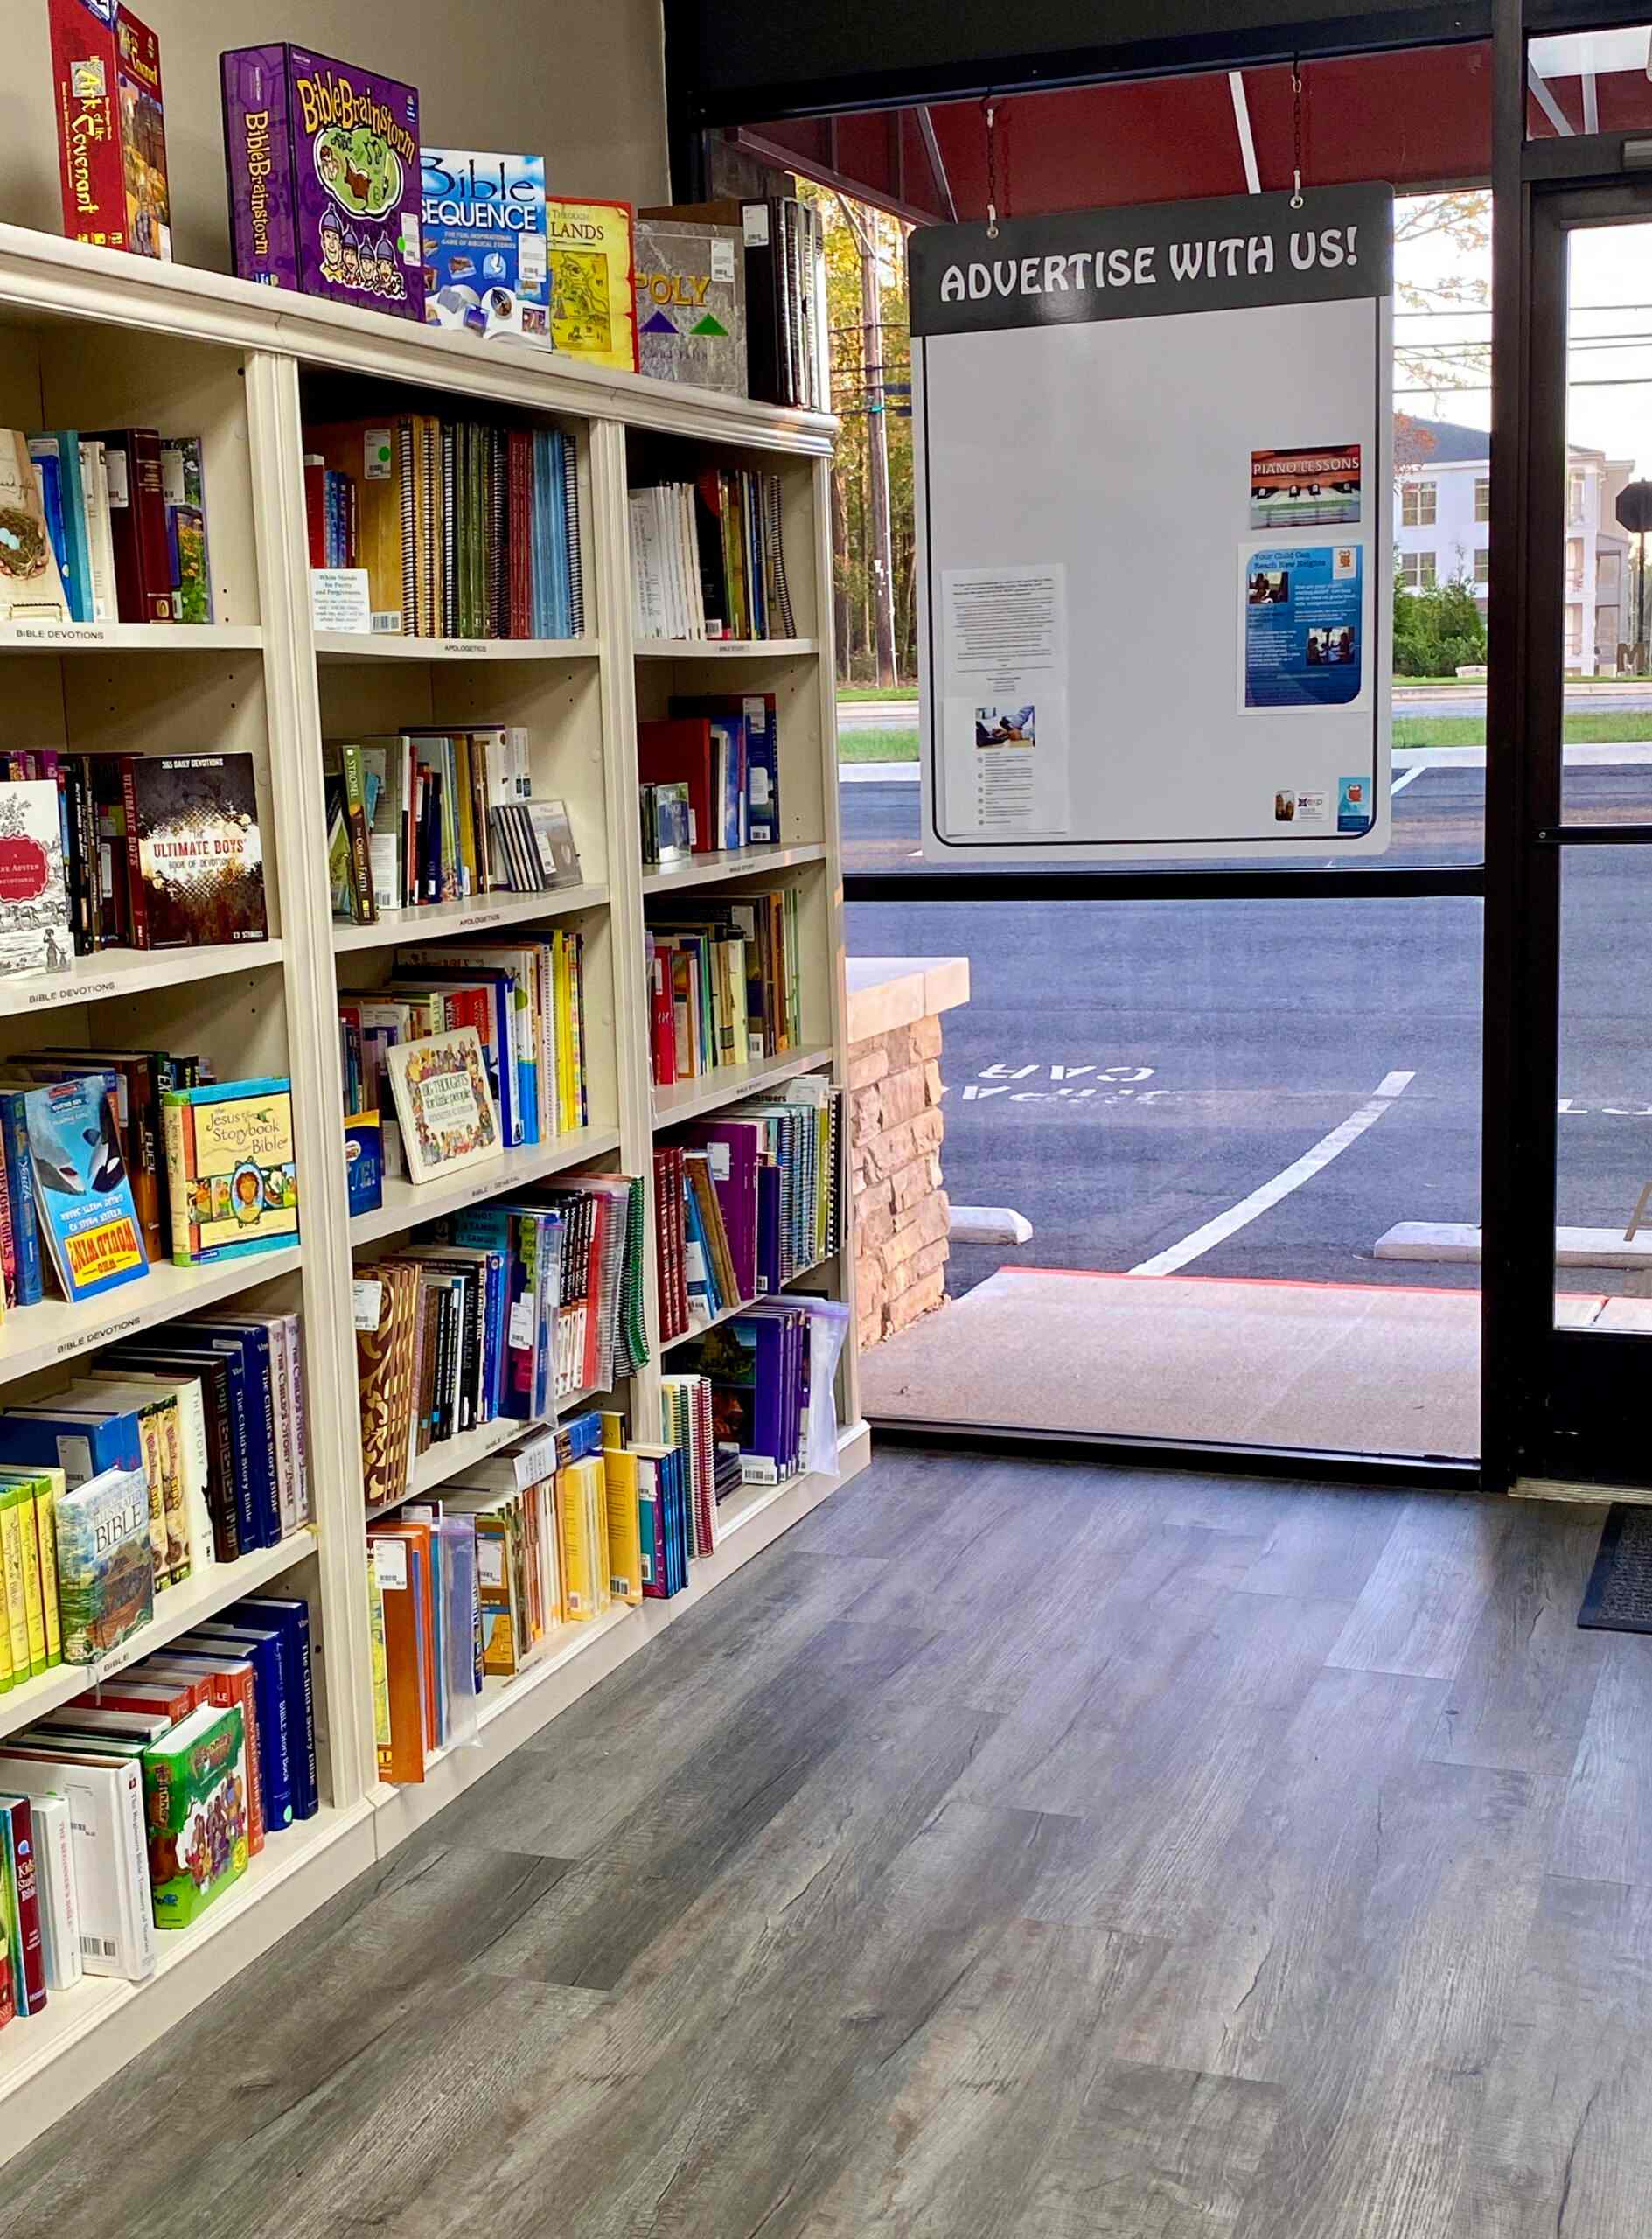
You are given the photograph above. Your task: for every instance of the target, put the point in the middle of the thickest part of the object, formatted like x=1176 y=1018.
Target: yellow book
x=576 y=1546
x=33 y=1598
x=589 y=253
x=465 y=804
x=613 y=1428
x=625 y=1533
x=17 y=1590
x=596 y=1496
x=379 y=1663
x=372 y=454
x=48 y=1485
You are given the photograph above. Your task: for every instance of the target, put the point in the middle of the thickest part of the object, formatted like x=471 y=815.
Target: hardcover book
x=193 y=821
x=483 y=219
x=183 y=486
x=111 y=128
x=35 y=933
x=81 y=1191
x=231 y=1175
x=30 y=586
x=323 y=178
x=444 y=1103
x=196 y=1800
x=592 y=281
x=106 y=1568
x=691 y=302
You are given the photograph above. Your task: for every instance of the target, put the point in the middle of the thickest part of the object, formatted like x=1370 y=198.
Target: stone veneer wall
x=901 y=1211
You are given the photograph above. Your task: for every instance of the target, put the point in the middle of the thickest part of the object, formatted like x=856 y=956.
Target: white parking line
x=1406 y=777
x=1259 y=1201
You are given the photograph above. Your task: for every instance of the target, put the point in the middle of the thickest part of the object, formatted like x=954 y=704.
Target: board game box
x=483 y=219
x=322 y=160
x=691 y=302
x=111 y=129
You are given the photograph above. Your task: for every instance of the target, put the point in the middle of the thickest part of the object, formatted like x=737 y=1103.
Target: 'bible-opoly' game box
x=323 y=178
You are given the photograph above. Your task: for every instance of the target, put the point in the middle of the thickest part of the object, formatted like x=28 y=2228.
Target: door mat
x=1619 y=1598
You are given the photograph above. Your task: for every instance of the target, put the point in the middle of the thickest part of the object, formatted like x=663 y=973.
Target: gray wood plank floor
x=1014 y=1851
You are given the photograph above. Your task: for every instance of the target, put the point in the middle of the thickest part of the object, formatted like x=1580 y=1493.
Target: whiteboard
x=1131 y=648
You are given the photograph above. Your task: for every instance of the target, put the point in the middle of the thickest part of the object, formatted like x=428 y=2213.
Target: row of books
x=746 y=1202
x=501 y=1311
x=110 y=527
x=420 y=817
x=724 y=985
x=465 y=529
x=127 y=851
x=110 y=1159
x=709 y=558
x=724 y=748
x=183 y=1447
x=134 y=1808
x=525 y=996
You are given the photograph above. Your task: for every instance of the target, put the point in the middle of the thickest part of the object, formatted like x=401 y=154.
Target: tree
x=1437 y=630
x=1460 y=226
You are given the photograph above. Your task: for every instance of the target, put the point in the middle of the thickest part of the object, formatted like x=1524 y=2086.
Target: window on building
x=1417 y=570
x=1574 y=494
x=1606 y=575
x=1483 y=498
x=1417 y=505
x=1574 y=563
x=1483 y=565
x=1574 y=633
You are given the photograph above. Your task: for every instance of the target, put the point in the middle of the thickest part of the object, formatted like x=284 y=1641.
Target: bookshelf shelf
x=728 y=862
x=129 y=637
x=484 y=913
x=178 y=1608
x=345 y=645
x=740 y=1306
x=55 y=1332
x=404 y=1204
x=709 y=1091
x=116 y=974
x=725 y=649
x=194 y=353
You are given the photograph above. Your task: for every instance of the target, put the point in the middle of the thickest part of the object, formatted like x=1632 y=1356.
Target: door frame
x=1557 y=1405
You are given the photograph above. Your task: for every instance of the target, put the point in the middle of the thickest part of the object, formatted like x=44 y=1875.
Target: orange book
x=400 y=1759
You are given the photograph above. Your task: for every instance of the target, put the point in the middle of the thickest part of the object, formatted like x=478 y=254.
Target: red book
x=679 y=752
x=137 y=522
x=230 y=1680
x=173 y=1699
x=106 y=67
x=31 y=1991
x=315 y=508
x=664 y=1024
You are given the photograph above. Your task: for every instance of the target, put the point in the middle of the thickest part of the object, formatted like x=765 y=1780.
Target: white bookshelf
x=90 y=338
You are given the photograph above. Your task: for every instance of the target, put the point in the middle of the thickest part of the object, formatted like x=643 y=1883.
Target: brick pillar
x=901 y=1211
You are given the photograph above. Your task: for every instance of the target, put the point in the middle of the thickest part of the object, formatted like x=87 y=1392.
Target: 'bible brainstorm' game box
x=324 y=178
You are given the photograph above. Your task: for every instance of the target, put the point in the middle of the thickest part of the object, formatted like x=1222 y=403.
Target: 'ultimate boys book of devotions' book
x=231 y=1171
x=192 y=835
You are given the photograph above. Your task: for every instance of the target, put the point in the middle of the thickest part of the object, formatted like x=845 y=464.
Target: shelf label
x=118 y=1658
x=480 y=918
x=71 y=991
x=472 y=647
x=106 y=1335
x=58 y=633
x=340 y=600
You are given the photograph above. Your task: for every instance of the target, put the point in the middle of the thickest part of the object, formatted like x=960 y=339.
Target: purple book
x=324 y=178
x=733 y=1145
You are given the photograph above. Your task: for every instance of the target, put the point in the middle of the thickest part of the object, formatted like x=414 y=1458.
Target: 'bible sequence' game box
x=324 y=178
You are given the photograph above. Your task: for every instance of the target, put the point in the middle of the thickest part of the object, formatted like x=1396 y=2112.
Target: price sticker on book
x=390 y=1564
x=367 y=1304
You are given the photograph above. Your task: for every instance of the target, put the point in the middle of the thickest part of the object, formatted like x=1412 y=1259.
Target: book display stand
x=91 y=338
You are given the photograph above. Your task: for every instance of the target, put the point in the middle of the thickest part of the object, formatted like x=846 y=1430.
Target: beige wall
x=580 y=80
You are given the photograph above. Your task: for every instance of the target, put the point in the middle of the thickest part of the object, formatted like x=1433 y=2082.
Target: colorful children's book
x=483 y=227
x=82 y=1195
x=323 y=178
x=195 y=1795
x=184 y=484
x=232 y=1175
x=444 y=1103
x=106 y=1569
x=111 y=129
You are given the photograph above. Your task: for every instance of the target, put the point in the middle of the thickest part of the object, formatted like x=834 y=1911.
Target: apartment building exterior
x=1442 y=508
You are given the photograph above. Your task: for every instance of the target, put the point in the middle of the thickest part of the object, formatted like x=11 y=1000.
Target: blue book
x=252 y=1396
x=83 y=1446
x=14 y=1142
x=83 y=1200
x=57 y=461
x=261 y=1647
x=289 y=1615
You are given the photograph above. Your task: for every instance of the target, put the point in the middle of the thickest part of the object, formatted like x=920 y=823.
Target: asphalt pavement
x=1128 y=1072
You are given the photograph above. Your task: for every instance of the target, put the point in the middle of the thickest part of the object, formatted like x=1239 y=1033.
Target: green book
x=195 y=1805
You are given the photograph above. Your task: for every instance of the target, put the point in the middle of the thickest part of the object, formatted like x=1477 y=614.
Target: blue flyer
x=1302 y=626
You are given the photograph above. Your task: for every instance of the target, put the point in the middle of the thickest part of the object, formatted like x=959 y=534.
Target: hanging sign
x=1153 y=452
